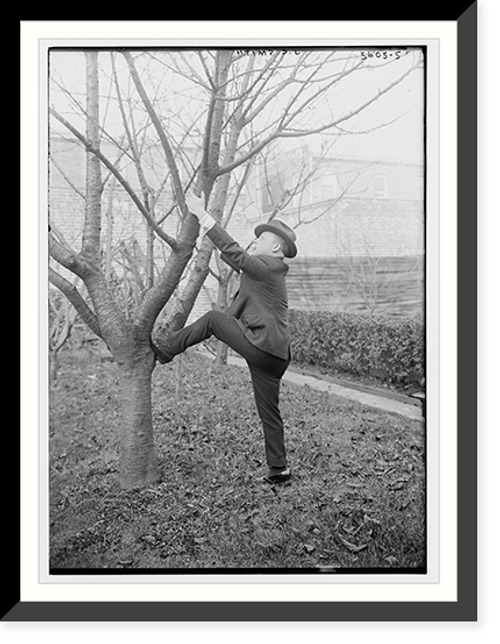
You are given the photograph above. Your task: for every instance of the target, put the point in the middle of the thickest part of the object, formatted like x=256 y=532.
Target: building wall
x=349 y=214
x=356 y=227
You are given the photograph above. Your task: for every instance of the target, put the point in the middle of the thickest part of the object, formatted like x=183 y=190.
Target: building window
x=272 y=194
x=326 y=188
x=380 y=186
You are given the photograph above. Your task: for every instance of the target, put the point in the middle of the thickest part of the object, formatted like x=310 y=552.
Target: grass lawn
x=356 y=501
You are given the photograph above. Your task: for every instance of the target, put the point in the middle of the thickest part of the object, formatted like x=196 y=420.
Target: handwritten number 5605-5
x=381 y=55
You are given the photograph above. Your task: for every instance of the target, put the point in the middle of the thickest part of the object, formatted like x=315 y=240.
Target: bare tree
x=233 y=119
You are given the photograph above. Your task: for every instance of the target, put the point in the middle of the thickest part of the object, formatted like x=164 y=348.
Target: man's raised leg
x=222 y=326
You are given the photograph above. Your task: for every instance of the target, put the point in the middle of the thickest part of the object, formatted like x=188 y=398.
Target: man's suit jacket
x=261 y=303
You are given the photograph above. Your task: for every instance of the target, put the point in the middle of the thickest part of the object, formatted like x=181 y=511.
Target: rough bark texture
x=222 y=304
x=91 y=242
x=134 y=360
x=201 y=268
x=128 y=339
x=138 y=462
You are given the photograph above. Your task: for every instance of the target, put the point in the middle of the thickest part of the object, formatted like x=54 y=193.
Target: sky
x=401 y=110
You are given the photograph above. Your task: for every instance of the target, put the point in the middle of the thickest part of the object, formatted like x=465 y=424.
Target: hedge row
x=388 y=350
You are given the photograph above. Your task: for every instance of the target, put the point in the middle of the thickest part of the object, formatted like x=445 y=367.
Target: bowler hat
x=282 y=230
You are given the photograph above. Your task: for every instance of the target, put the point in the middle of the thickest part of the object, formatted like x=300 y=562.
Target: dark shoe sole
x=163 y=358
x=276 y=479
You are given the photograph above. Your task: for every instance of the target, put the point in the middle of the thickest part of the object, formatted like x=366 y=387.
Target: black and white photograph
x=236 y=310
x=248 y=325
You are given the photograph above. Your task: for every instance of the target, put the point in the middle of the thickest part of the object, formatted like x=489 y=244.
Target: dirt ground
x=356 y=500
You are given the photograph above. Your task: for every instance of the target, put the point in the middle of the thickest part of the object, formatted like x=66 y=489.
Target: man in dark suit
x=256 y=326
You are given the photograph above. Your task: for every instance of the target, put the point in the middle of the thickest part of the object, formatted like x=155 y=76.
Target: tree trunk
x=221 y=355
x=109 y=229
x=138 y=463
x=138 y=466
x=222 y=296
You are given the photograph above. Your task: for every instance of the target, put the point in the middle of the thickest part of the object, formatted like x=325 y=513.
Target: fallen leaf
x=353 y=531
x=352 y=547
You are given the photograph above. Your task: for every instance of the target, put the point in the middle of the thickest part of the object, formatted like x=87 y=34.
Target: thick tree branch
x=72 y=294
x=216 y=118
x=66 y=256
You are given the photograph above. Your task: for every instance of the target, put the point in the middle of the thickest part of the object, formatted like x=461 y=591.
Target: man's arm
x=230 y=263
x=256 y=267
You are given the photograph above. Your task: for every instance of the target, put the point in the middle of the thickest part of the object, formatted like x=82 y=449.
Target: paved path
x=384 y=403
x=380 y=402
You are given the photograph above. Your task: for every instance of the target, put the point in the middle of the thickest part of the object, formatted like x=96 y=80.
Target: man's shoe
x=275 y=476
x=162 y=356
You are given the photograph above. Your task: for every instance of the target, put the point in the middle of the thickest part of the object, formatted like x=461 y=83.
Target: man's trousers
x=266 y=371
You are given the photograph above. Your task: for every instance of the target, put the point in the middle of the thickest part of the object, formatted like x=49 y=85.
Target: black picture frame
x=465 y=606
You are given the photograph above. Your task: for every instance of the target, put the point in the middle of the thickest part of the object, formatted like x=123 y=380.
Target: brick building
x=360 y=223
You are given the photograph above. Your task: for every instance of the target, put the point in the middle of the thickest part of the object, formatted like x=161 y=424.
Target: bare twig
x=179 y=193
x=161 y=233
x=283 y=128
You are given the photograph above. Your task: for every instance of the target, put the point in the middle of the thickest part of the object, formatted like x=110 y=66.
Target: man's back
x=261 y=303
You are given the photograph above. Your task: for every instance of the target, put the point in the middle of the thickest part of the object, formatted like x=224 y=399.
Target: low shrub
x=389 y=350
